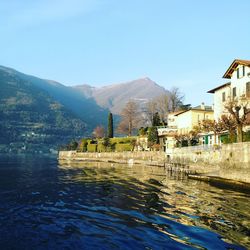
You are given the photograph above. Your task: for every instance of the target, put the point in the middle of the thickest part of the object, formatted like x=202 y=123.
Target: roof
x=207 y=108
x=198 y=108
x=219 y=87
x=176 y=112
x=234 y=65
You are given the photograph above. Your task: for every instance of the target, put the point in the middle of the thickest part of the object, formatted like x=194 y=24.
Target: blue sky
x=185 y=43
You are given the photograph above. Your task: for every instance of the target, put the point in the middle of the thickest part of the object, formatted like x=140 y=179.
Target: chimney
x=203 y=105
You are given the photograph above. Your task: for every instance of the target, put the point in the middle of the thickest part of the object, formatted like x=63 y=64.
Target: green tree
x=152 y=136
x=82 y=147
x=156 y=120
x=106 y=142
x=142 y=131
x=110 y=126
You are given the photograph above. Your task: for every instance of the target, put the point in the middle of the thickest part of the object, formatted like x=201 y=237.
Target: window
x=248 y=89
x=240 y=72
x=234 y=92
x=223 y=96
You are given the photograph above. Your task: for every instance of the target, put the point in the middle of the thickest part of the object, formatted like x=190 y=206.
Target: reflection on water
x=108 y=206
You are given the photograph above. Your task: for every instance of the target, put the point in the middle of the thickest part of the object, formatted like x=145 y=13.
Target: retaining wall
x=142 y=157
x=231 y=161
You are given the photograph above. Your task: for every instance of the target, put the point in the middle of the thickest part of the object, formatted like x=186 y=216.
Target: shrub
x=92 y=147
x=92 y=142
x=246 y=136
x=102 y=148
x=225 y=139
x=123 y=147
x=121 y=140
x=82 y=147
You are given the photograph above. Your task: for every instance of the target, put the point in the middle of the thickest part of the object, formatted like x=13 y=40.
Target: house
x=188 y=119
x=181 y=123
x=238 y=87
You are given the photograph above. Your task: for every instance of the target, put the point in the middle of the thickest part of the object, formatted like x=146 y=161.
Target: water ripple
x=97 y=206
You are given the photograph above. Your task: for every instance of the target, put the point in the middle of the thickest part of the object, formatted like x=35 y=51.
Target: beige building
x=188 y=119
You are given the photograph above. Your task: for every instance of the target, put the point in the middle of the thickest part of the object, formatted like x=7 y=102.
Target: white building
x=238 y=87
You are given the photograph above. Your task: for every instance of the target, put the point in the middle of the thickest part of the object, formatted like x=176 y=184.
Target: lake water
x=49 y=205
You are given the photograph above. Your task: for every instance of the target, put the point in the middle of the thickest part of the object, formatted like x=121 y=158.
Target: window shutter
x=243 y=68
x=248 y=89
x=234 y=92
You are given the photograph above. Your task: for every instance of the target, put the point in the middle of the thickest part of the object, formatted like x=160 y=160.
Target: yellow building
x=188 y=119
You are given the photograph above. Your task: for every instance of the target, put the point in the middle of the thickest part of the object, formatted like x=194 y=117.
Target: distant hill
x=115 y=96
x=37 y=111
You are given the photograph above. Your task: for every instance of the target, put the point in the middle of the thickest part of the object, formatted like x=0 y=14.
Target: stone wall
x=141 y=157
x=231 y=161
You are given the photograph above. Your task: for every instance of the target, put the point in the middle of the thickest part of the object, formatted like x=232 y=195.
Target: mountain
x=114 y=97
x=86 y=108
x=43 y=112
x=28 y=115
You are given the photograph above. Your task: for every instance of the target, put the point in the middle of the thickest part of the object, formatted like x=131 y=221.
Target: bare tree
x=175 y=99
x=151 y=109
x=209 y=126
x=239 y=109
x=162 y=105
x=99 y=132
x=228 y=124
x=129 y=118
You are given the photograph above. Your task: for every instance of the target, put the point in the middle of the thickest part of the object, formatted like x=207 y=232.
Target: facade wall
x=186 y=121
x=240 y=83
x=172 y=120
x=219 y=109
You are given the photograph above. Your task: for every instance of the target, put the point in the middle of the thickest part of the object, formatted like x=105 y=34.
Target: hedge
x=123 y=147
x=92 y=147
x=122 y=140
